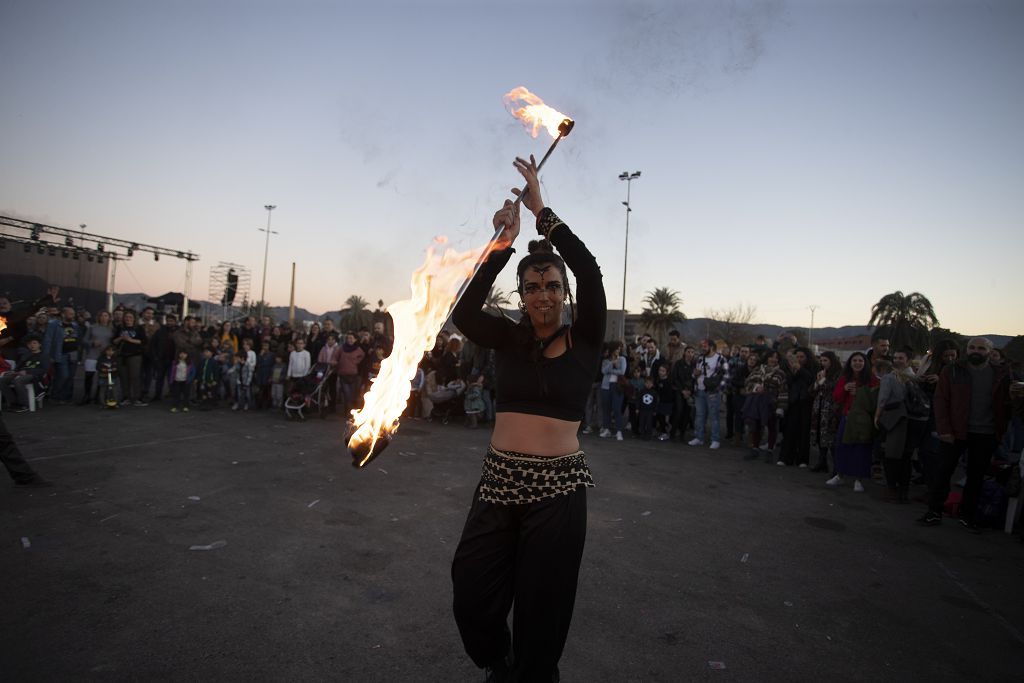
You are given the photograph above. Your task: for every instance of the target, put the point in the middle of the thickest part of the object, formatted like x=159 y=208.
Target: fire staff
x=523 y=540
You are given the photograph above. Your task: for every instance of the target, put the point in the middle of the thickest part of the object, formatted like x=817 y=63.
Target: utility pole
x=810 y=331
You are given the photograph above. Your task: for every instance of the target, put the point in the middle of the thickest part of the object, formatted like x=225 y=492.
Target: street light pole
x=629 y=178
x=266 y=251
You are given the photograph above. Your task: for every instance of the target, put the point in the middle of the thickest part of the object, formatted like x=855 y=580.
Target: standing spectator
x=350 y=357
x=853 y=396
x=681 y=375
x=675 y=348
x=130 y=342
x=824 y=415
x=796 y=442
x=972 y=409
x=380 y=337
x=246 y=372
x=226 y=333
x=650 y=358
x=765 y=389
x=613 y=367
x=711 y=375
x=61 y=344
x=208 y=379
x=161 y=352
x=472 y=402
x=328 y=355
x=152 y=369
x=248 y=331
x=264 y=376
x=902 y=414
x=99 y=336
x=315 y=340
x=107 y=371
x=180 y=376
x=735 y=394
x=277 y=380
x=187 y=338
x=879 y=344
x=665 y=404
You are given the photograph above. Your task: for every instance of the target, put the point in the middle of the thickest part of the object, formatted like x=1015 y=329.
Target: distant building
x=845 y=345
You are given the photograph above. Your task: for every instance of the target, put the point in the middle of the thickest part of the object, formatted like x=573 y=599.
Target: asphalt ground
x=698 y=565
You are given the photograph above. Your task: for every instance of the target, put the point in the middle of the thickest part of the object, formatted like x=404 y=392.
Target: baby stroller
x=448 y=401
x=310 y=393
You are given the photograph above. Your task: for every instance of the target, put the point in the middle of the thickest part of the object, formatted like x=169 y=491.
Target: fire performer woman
x=523 y=539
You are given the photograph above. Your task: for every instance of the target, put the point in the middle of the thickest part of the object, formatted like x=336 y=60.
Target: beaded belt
x=510 y=478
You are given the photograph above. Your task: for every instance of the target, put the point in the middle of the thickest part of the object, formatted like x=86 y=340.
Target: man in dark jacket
x=160 y=351
x=972 y=409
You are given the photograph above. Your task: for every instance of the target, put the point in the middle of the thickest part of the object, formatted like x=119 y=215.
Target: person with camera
x=711 y=376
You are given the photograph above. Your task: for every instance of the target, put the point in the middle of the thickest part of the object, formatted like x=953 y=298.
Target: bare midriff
x=535 y=435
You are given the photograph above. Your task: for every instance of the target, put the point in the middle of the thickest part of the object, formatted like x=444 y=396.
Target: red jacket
x=844 y=399
x=953 y=400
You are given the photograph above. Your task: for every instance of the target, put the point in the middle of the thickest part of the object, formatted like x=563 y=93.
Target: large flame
x=3 y=323
x=532 y=111
x=434 y=286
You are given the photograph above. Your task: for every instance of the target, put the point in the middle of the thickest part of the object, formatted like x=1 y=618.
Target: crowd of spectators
x=885 y=414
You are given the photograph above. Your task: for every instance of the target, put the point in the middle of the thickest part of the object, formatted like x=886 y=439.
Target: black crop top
x=526 y=381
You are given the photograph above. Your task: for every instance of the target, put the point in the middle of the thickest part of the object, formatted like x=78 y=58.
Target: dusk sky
x=792 y=153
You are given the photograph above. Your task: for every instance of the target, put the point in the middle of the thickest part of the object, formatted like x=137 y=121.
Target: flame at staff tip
x=434 y=286
x=3 y=323
x=532 y=111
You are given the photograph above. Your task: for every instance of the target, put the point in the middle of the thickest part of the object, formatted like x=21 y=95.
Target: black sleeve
x=591 y=307
x=482 y=328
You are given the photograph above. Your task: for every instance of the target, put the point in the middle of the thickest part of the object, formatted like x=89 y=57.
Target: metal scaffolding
x=220 y=282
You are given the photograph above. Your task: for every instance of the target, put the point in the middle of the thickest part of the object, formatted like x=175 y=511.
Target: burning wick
x=435 y=292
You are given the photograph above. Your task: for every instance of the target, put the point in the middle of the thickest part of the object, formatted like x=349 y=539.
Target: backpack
x=917 y=403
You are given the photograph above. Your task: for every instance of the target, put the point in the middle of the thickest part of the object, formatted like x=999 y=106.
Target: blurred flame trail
x=434 y=285
x=3 y=323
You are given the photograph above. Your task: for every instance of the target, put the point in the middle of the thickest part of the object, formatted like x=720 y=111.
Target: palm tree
x=908 y=317
x=355 y=313
x=497 y=300
x=661 y=311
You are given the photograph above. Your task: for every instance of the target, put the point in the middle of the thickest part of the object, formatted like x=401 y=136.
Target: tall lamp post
x=266 y=251
x=629 y=178
x=810 y=330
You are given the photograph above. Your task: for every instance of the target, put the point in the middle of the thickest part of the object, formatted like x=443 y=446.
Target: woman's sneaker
x=605 y=433
x=618 y=436
x=834 y=481
x=858 y=487
x=696 y=442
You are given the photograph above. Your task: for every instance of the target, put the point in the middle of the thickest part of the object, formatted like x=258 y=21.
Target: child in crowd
x=264 y=375
x=180 y=376
x=209 y=379
x=298 y=362
x=229 y=373
x=245 y=375
x=647 y=406
x=666 y=402
x=631 y=393
x=106 y=371
x=473 y=403
x=277 y=379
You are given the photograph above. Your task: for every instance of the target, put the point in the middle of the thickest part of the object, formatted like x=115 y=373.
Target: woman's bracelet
x=547 y=221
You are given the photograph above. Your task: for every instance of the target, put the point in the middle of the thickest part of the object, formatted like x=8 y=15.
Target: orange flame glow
x=532 y=111
x=434 y=287
x=3 y=323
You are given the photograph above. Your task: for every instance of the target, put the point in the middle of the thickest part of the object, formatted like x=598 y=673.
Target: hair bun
x=540 y=247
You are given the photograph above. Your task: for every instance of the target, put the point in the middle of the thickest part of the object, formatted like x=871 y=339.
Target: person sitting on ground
x=31 y=370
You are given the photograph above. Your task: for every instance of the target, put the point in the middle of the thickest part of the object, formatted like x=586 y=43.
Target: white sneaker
x=587 y=430
x=618 y=436
x=803 y=466
x=663 y=437
x=780 y=463
x=605 y=432
x=696 y=442
x=834 y=481
x=715 y=445
x=858 y=487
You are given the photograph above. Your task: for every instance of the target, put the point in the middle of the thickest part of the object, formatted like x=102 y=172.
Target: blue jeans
x=611 y=407
x=707 y=406
x=64 y=382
